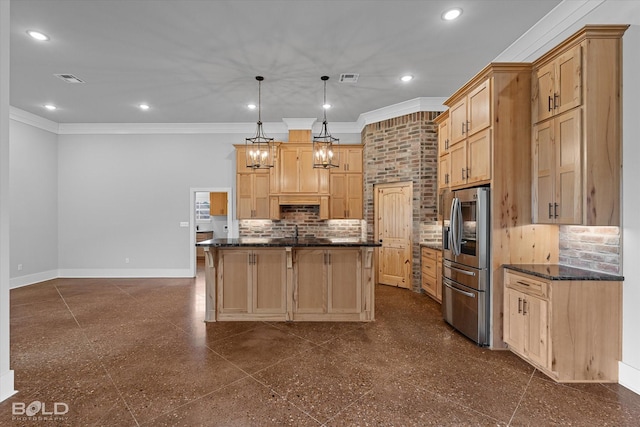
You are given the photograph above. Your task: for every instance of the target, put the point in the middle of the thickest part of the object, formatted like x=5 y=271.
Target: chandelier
x=259 y=149
x=324 y=155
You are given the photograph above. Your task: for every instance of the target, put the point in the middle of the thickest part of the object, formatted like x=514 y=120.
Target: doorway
x=393 y=225
x=211 y=216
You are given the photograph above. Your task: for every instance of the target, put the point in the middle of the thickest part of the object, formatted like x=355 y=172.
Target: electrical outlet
x=126 y=260
x=19 y=267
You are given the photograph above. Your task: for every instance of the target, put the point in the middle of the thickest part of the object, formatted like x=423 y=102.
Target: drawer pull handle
x=519 y=305
x=523 y=283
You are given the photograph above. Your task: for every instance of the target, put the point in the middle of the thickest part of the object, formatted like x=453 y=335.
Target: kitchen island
x=289 y=279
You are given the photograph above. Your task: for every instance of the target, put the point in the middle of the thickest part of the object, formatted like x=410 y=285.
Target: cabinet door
x=458 y=121
x=479 y=157
x=310 y=277
x=439 y=277
x=429 y=274
x=568 y=81
x=269 y=281
x=351 y=159
x=536 y=332
x=479 y=109
x=338 y=200
x=514 y=320
x=261 y=196
x=234 y=278
x=544 y=170
x=354 y=195
x=244 y=184
x=458 y=155
x=344 y=293
x=542 y=92
x=443 y=138
x=289 y=172
x=309 y=177
x=444 y=171
x=218 y=203
x=568 y=180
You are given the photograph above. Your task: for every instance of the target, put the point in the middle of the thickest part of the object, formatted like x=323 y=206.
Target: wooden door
x=393 y=212
x=344 y=290
x=444 y=171
x=513 y=320
x=269 y=281
x=542 y=92
x=458 y=122
x=479 y=109
x=536 y=332
x=567 y=138
x=568 y=81
x=458 y=155
x=543 y=169
x=479 y=157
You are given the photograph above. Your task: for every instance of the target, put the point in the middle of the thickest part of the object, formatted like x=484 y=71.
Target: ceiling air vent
x=349 y=78
x=69 y=78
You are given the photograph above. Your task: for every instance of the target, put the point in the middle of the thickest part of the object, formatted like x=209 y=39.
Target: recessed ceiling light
x=38 y=35
x=251 y=106
x=143 y=107
x=406 y=78
x=50 y=107
x=326 y=106
x=452 y=14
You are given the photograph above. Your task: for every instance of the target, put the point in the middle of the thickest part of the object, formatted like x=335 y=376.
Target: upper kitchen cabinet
x=444 y=163
x=349 y=158
x=218 y=203
x=557 y=85
x=576 y=134
x=471 y=113
x=252 y=187
x=296 y=174
x=346 y=184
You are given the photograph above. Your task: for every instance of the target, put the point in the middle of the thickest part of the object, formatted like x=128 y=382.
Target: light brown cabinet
x=569 y=329
x=576 y=137
x=346 y=184
x=252 y=189
x=471 y=114
x=296 y=172
x=252 y=281
x=432 y=272
x=217 y=203
x=557 y=169
x=471 y=160
x=444 y=171
x=325 y=281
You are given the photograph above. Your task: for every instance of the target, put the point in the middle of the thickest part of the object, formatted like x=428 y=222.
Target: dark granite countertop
x=562 y=272
x=287 y=241
x=435 y=246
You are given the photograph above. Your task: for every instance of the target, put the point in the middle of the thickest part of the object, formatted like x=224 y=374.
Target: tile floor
x=133 y=352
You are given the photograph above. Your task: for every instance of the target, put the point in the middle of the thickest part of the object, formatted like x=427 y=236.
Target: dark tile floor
x=131 y=352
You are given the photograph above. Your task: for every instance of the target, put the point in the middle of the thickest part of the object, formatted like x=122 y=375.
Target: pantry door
x=393 y=213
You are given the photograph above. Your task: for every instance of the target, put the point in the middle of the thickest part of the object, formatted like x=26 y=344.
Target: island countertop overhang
x=287 y=242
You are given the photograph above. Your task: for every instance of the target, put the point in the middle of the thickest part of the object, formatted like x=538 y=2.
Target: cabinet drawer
x=429 y=262
x=526 y=284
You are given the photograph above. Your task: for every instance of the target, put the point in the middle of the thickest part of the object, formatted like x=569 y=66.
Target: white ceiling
x=196 y=61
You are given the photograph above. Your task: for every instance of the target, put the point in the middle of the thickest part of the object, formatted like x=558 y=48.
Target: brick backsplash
x=431 y=232
x=405 y=149
x=592 y=248
x=307 y=218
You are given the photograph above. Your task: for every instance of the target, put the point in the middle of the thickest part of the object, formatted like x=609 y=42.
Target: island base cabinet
x=328 y=285
x=252 y=282
x=569 y=329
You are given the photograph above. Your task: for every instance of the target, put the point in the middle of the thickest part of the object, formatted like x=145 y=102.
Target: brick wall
x=405 y=149
x=307 y=218
x=592 y=248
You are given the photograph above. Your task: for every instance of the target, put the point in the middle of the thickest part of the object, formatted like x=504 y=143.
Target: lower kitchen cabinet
x=325 y=281
x=431 y=260
x=569 y=329
x=252 y=282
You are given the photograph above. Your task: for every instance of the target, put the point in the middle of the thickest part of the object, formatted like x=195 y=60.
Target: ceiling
x=196 y=61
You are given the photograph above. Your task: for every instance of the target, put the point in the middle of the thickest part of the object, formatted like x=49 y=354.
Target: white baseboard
x=629 y=377
x=6 y=386
x=30 y=279
x=74 y=273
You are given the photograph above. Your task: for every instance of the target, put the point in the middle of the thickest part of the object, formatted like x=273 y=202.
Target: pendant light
x=259 y=149
x=325 y=155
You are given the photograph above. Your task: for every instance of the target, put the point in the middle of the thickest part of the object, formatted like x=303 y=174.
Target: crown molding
x=31 y=119
x=562 y=19
x=384 y=113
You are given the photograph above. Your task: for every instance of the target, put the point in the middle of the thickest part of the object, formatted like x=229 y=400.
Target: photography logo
x=39 y=411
